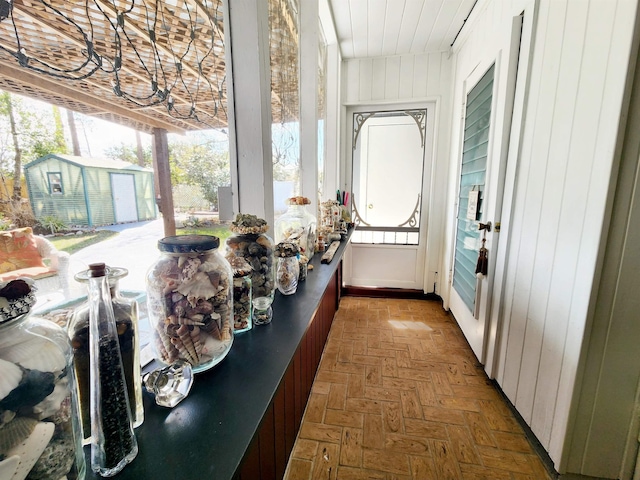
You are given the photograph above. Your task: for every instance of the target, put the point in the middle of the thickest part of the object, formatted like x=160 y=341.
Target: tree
x=201 y=165
x=129 y=153
x=28 y=133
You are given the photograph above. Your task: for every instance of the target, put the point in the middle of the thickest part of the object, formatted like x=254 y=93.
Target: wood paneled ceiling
x=376 y=28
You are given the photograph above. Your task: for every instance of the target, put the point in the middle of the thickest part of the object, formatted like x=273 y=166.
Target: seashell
x=10 y=376
x=195 y=319
x=190 y=267
x=185 y=337
x=34 y=387
x=184 y=353
x=50 y=405
x=203 y=306
x=56 y=460
x=31 y=448
x=212 y=326
x=37 y=354
x=164 y=346
x=198 y=288
x=16 y=431
x=164 y=354
x=9 y=466
x=197 y=342
x=226 y=332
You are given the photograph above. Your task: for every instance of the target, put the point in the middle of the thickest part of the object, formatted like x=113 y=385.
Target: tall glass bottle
x=113 y=443
x=126 y=315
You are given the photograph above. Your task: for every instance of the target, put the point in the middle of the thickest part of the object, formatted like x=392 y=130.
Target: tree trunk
x=74 y=133
x=17 y=168
x=139 y=151
x=61 y=144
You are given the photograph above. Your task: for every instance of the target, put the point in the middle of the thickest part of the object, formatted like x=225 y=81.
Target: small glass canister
x=241 y=294
x=287 y=267
x=190 y=302
x=298 y=226
x=126 y=314
x=40 y=433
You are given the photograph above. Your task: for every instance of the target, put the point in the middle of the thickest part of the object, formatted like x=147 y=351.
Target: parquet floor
x=399 y=395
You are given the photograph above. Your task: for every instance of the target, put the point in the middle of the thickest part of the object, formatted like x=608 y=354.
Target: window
x=55 y=183
x=388 y=162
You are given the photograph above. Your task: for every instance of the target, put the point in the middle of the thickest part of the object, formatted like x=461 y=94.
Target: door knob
x=484 y=226
x=370 y=206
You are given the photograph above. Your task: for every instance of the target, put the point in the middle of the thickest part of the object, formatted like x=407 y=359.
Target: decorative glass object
x=171 y=384
x=250 y=242
x=190 y=302
x=298 y=226
x=330 y=215
x=262 y=312
x=126 y=315
x=40 y=435
x=113 y=443
x=287 y=267
x=241 y=294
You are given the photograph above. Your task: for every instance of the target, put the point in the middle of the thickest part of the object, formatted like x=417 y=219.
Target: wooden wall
x=578 y=71
x=423 y=78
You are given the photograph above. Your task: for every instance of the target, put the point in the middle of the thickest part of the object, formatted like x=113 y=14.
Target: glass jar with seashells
x=251 y=243
x=298 y=226
x=40 y=435
x=190 y=301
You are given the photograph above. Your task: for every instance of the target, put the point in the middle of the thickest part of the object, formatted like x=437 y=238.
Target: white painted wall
x=400 y=80
x=579 y=64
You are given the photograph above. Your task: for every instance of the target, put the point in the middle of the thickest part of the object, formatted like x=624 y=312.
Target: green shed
x=90 y=191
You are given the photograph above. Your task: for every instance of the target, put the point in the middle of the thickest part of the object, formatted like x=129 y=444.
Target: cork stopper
x=97 y=270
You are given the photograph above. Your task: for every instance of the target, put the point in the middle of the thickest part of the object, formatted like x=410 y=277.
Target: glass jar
x=39 y=418
x=241 y=294
x=329 y=214
x=126 y=314
x=250 y=241
x=262 y=313
x=190 y=302
x=298 y=226
x=287 y=267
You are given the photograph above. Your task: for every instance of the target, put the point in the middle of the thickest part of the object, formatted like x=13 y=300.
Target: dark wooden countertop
x=209 y=432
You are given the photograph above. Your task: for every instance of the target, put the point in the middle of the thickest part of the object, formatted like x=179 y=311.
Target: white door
x=124 y=197
x=481 y=182
x=390 y=178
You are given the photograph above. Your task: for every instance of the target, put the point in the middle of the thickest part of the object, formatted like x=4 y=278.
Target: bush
x=53 y=224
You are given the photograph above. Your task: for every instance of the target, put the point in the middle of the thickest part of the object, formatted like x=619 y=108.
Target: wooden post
x=309 y=34
x=247 y=51
x=162 y=180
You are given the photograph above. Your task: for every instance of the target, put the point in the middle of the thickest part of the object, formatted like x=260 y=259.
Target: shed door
x=124 y=197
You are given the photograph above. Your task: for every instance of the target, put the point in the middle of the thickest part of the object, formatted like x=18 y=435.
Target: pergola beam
x=57 y=90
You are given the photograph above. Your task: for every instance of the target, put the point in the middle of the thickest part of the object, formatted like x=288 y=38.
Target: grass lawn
x=73 y=243
x=220 y=231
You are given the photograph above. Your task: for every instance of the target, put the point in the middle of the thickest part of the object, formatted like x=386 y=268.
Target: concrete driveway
x=134 y=248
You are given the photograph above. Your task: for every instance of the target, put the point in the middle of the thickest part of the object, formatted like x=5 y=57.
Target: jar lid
x=188 y=243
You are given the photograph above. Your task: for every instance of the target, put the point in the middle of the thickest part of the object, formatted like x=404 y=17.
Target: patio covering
x=143 y=63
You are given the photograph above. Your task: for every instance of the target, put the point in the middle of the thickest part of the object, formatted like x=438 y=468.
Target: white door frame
x=427 y=180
